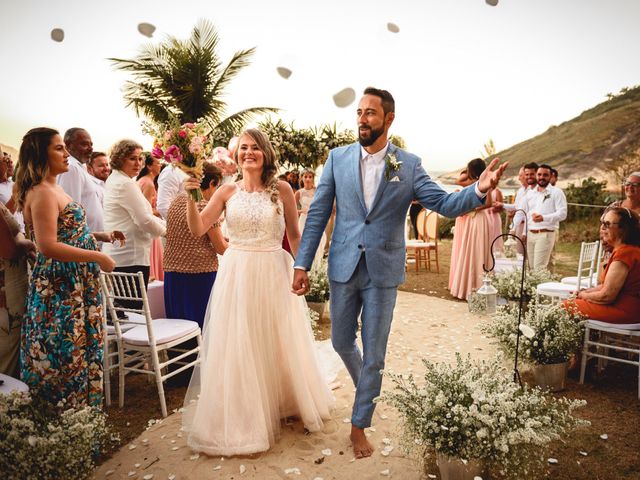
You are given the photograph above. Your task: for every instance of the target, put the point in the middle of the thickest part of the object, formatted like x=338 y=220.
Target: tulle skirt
x=469 y=252
x=258 y=363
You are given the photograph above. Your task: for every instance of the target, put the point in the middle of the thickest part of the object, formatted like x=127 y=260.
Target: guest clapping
x=617 y=298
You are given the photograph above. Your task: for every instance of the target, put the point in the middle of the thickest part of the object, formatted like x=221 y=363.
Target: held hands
x=536 y=217
x=489 y=179
x=300 y=284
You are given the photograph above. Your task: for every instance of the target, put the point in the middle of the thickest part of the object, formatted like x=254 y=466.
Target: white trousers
x=539 y=248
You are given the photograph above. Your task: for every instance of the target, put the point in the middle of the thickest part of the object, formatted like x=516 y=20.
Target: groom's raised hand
x=300 y=284
x=489 y=179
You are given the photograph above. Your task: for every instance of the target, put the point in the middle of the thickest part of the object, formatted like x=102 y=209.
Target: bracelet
x=216 y=225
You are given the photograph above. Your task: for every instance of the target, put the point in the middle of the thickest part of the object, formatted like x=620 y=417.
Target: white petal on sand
x=431 y=475
x=137 y=465
x=326 y=452
x=131 y=447
x=146 y=29
x=292 y=471
x=148 y=477
x=175 y=448
x=145 y=440
x=109 y=472
x=493 y=3
x=171 y=477
x=388 y=448
x=393 y=28
x=604 y=436
x=584 y=454
x=194 y=457
x=318 y=478
x=385 y=472
x=242 y=469
x=344 y=97
x=383 y=416
x=163 y=436
x=284 y=72
x=384 y=453
x=346 y=420
x=477 y=478
x=386 y=441
x=217 y=467
x=57 y=35
x=552 y=461
x=132 y=474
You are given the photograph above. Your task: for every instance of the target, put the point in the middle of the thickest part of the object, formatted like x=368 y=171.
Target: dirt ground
x=612 y=405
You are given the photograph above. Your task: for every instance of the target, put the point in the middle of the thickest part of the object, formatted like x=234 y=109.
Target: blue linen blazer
x=378 y=232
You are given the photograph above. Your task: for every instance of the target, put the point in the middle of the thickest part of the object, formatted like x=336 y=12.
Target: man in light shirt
x=98 y=168
x=546 y=207
x=170 y=185
x=77 y=183
x=528 y=183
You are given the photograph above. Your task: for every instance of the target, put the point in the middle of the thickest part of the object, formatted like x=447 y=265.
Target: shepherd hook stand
x=516 y=373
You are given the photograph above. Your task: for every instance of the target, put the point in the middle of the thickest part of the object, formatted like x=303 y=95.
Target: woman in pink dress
x=497 y=201
x=472 y=240
x=147 y=179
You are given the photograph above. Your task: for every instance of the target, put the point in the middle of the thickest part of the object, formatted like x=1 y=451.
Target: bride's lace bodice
x=253 y=220
x=306 y=196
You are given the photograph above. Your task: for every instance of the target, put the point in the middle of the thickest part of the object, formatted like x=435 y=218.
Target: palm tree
x=184 y=81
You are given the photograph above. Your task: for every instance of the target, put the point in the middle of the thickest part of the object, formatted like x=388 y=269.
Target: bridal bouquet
x=187 y=147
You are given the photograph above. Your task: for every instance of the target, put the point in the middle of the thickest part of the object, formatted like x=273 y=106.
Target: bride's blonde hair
x=270 y=163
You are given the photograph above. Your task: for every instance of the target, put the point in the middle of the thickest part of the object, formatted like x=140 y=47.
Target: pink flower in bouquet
x=157 y=152
x=173 y=154
x=168 y=134
x=221 y=154
x=196 y=145
x=182 y=133
x=189 y=125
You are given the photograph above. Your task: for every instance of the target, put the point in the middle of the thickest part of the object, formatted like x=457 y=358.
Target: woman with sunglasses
x=631 y=193
x=617 y=297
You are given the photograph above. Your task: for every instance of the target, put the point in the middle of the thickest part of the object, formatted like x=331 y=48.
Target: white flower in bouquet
x=474 y=410
x=318 y=283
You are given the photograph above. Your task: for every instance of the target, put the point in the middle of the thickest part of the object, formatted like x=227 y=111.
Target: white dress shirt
x=100 y=185
x=519 y=202
x=77 y=183
x=126 y=209
x=550 y=203
x=371 y=168
x=170 y=185
x=6 y=190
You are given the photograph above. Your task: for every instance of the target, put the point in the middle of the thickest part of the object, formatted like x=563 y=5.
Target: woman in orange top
x=617 y=298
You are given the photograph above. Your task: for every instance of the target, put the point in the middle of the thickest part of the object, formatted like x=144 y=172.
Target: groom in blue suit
x=372 y=183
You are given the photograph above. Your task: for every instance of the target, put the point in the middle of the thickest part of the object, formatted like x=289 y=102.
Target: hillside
x=592 y=144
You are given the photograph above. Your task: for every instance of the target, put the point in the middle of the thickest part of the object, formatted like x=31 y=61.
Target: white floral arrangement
x=550 y=334
x=508 y=283
x=318 y=283
x=42 y=441
x=314 y=317
x=474 y=411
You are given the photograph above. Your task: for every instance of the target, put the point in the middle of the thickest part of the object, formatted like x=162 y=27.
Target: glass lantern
x=509 y=248
x=488 y=295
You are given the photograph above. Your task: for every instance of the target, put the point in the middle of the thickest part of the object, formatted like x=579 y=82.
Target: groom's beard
x=371 y=138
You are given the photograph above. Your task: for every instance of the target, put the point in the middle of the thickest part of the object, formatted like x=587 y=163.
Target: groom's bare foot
x=361 y=446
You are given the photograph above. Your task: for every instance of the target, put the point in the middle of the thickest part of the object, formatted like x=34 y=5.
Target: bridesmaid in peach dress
x=472 y=240
x=147 y=179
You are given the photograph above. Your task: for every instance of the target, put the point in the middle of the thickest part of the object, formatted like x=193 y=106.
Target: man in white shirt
x=546 y=207
x=98 y=168
x=170 y=185
x=77 y=182
x=528 y=182
x=6 y=184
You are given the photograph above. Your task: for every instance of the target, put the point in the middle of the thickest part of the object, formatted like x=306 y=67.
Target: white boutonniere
x=392 y=165
x=546 y=196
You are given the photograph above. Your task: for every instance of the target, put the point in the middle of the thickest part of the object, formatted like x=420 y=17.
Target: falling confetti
x=393 y=28
x=493 y=3
x=146 y=29
x=284 y=72
x=344 y=97
x=57 y=35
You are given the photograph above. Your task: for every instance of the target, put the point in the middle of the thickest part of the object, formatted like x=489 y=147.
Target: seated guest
x=631 y=193
x=127 y=210
x=617 y=298
x=190 y=263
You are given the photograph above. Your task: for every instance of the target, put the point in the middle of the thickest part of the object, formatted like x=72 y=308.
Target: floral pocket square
x=395 y=179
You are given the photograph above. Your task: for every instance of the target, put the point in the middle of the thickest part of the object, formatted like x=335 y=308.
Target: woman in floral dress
x=61 y=338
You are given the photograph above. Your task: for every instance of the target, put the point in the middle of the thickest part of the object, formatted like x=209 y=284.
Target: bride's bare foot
x=361 y=446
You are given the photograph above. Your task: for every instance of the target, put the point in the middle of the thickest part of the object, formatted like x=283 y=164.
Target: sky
x=461 y=71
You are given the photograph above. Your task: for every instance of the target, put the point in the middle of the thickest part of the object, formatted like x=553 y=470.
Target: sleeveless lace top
x=253 y=221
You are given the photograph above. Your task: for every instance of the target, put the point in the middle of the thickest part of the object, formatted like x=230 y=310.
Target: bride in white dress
x=258 y=360
x=304 y=197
